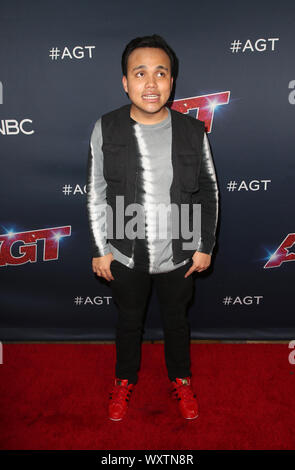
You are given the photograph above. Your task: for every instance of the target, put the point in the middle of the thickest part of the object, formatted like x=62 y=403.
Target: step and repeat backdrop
x=59 y=72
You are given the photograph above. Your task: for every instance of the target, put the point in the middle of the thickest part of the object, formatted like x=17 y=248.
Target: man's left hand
x=201 y=261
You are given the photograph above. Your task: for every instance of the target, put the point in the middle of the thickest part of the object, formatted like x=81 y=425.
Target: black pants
x=130 y=291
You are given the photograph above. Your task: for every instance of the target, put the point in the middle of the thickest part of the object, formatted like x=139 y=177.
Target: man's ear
x=124 y=83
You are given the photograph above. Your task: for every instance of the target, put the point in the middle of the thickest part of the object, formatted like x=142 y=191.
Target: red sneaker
x=119 y=397
x=182 y=391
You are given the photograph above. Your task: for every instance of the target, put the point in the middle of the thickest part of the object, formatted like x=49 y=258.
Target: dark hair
x=150 y=41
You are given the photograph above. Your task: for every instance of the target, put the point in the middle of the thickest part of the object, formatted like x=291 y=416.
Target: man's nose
x=150 y=81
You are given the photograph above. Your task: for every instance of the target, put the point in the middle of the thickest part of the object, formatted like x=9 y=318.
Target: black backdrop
x=59 y=72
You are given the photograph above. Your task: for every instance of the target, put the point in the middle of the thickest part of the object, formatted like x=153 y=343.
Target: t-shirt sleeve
x=96 y=195
x=208 y=197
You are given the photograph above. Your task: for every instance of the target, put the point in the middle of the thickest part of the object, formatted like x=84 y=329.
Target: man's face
x=148 y=83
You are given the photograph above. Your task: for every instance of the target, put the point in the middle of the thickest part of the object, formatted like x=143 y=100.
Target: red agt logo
x=204 y=104
x=282 y=253
x=27 y=251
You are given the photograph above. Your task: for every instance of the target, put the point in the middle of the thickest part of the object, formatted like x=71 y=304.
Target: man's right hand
x=101 y=266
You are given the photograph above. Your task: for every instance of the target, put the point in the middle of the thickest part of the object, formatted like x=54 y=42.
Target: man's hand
x=201 y=261
x=101 y=266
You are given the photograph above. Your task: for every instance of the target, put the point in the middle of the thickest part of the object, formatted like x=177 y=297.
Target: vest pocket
x=114 y=165
x=189 y=168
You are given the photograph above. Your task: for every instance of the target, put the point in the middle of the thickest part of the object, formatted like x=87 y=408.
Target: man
x=147 y=154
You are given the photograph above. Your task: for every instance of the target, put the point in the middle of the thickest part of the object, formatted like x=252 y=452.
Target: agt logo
x=78 y=52
x=21 y=247
x=283 y=252
x=204 y=104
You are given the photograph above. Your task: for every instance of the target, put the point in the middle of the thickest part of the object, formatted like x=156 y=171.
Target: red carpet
x=54 y=396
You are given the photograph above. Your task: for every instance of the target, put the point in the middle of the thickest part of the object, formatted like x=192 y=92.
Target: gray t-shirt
x=153 y=253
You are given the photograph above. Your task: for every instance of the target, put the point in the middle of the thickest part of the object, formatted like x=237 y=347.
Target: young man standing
x=148 y=154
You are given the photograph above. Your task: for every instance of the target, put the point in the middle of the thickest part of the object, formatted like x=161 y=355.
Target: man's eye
x=162 y=74
x=139 y=74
